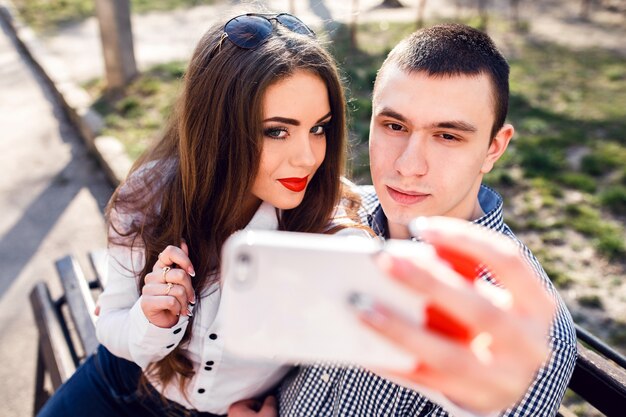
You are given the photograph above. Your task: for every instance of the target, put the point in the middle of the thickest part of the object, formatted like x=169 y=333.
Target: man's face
x=429 y=144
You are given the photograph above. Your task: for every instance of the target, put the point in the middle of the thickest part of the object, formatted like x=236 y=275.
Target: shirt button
x=177 y=330
x=210 y=363
x=212 y=336
x=169 y=346
x=201 y=391
x=207 y=368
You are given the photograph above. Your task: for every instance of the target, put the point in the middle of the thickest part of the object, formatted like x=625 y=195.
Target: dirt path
x=52 y=194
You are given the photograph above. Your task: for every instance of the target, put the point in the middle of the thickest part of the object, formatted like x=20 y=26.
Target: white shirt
x=220 y=379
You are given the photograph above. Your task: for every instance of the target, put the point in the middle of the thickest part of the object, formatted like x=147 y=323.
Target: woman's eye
x=276 y=132
x=319 y=130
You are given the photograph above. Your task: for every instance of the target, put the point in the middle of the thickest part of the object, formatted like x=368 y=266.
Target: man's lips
x=294 y=184
x=406 y=197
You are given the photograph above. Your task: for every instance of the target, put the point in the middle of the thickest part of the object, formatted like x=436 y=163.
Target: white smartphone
x=289 y=297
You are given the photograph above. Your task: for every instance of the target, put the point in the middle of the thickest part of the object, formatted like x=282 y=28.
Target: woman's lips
x=406 y=197
x=294 y=184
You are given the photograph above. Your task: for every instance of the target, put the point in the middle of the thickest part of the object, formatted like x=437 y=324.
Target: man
x=439 y=105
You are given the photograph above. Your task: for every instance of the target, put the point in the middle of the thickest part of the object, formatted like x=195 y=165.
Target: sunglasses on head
x=250 y=30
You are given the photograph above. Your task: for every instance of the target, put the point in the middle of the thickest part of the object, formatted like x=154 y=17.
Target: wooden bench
x=67 y=336
x=599 y=376
x=67 y=333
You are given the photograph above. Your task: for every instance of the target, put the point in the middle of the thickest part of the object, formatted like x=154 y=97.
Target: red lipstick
x=294 y=184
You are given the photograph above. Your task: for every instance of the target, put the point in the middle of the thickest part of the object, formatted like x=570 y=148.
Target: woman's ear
x=497 y=147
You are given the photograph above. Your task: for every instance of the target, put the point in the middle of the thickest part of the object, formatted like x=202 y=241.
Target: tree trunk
x=353 y=24
x=421 y=6
x=514 y=4
x=483 y=14
x=585 y=9
x=117 y=43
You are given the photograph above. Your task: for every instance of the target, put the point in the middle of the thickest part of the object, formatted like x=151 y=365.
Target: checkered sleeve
x=546 y=391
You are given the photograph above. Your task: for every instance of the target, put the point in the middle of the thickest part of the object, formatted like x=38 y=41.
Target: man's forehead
x=424 y=100
x=397 y=85
x=392 y=72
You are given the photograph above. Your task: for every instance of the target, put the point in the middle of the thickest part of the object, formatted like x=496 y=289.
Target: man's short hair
x=455 y=49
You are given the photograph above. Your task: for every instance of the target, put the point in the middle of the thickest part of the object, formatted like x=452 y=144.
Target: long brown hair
x=192 y=184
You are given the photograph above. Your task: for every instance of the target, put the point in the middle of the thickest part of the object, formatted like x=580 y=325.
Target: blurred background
x=563 y=178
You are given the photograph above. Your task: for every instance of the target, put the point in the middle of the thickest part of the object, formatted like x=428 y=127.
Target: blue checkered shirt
x=327 y=390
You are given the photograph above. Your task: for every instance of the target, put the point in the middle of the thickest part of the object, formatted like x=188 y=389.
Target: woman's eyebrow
x=285 y=120
x=324 y=117
x=294 y=122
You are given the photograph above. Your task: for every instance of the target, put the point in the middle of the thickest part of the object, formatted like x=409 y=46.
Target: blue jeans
x=108 y=386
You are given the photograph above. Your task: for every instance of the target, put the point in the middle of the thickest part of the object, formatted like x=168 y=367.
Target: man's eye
x=448 y=136
x=276 y=132
x=395 y=127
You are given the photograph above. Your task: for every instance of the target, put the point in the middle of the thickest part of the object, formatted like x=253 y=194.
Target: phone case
x=288 y=297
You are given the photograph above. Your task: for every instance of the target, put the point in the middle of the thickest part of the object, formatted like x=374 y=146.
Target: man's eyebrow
x=456 y=125
x=294 y=122
x=386 y=111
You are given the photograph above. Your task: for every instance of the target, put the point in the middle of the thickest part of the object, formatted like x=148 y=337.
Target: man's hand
x=252 y=408
x=493 y=370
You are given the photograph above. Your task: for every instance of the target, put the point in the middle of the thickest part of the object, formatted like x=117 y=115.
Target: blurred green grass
x=44 y=15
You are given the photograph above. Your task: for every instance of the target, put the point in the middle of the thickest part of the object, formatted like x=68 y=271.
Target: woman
x=257 y=141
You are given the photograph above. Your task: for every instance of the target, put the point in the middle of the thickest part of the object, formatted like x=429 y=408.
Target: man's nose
x=413 y=158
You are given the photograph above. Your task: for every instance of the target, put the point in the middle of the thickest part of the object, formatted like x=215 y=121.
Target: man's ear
x=497 y=147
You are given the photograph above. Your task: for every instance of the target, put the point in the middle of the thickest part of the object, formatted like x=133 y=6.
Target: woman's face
x=296 y=112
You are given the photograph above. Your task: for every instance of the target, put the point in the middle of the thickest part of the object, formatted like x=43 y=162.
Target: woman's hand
x=254 y=408
x=168 y=292
x=495 y=369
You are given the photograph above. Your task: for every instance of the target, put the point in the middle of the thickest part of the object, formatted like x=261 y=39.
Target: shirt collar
x=265 y=218
x=489 y=200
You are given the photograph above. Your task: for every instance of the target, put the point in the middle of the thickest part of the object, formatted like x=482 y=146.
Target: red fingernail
x=462 y=264
x=441 y=322
x=421 y=367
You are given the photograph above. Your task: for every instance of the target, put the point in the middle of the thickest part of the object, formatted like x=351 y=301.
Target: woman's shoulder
x=358 y=201
x=139 y=193
x=347 y=217
x=148 y=174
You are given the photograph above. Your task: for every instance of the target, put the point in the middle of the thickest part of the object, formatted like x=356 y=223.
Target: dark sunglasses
x=250 y=30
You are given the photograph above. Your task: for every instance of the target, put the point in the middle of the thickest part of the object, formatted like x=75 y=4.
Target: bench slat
x=599 y=382
x=98 y=259
x=53 y=344
x=79 y=300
